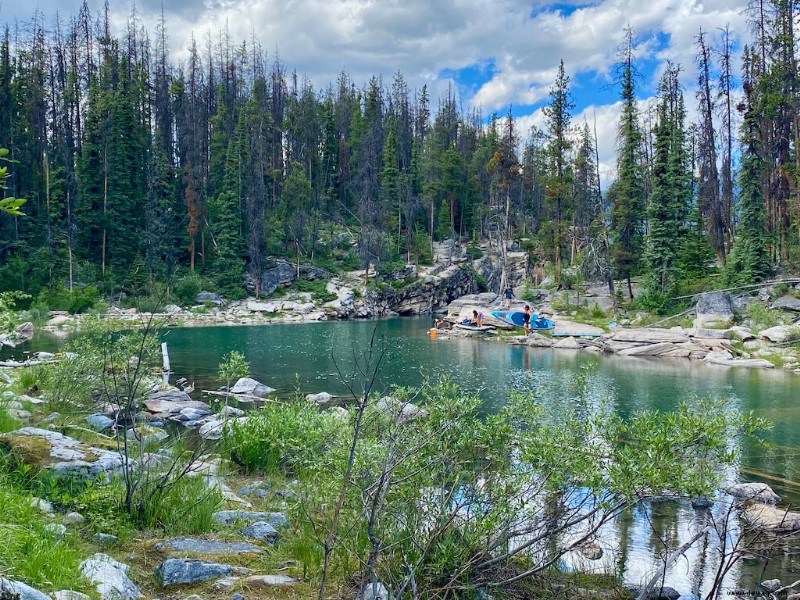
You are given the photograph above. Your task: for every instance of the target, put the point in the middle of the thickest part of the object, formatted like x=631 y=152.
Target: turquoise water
x=320 y=357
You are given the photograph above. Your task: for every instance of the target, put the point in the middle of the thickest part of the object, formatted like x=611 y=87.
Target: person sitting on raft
x=477 y=319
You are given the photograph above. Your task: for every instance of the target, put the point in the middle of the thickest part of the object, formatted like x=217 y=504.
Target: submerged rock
x=251 y=387
x=758 y=492
x=772 y=519
x=110 y=578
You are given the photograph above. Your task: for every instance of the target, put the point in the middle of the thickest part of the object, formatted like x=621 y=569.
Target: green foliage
x=30 y=553
x=79 y=300
x=185 y=505
x=317 y=287
x=286 y=438
x=186 y=288
x=762 y=317
x=7 y=422
x=11 y=205
x=233 y=367
x=9 y=302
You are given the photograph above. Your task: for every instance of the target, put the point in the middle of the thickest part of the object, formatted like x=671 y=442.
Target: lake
x=316 y=357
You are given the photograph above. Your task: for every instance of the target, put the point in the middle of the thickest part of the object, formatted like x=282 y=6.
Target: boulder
x=55 y=530
x=725 y=358
x=766 y=517
x=261 y=531
x=714 y=309
x=323 y=399
x=269 y=580
x=251 y=387
x=110 y=578
x=374 y=591
x=758 y=492
x=778 y=334
x=228 y=517
x=404 y=412
x=258 y=489
x=59 y=321
x=194 y=546
x=70 y=595
x=771 y=585
x=650 y=336
x=209 y=297
x=61 y=455
x=23 y=333
x=591 y=551
x=537 y=340
x=255 y=306
x=105 y=538
x=649 y=350
x=282 y=274
x=174 y=571
x=16 y=590
x=173 y=395
x=739 y=333
x=42 y=505
x=172 y=309
x=568 y=343
x=100 y=422
x=73 y=518
x=212 y=430
x=789 y=303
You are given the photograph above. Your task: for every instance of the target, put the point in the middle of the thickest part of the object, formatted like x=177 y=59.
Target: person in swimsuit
x=526 y=318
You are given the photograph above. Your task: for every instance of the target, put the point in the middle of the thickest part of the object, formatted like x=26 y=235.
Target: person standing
x=526 y=319
x=509 y=294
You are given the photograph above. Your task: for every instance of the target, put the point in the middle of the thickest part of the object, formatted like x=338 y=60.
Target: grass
x=29 y=553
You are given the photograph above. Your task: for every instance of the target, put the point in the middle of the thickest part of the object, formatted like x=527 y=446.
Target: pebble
x=42 y=505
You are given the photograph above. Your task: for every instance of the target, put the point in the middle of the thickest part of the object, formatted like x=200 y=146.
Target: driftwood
x=248 y=397
x=13 y=364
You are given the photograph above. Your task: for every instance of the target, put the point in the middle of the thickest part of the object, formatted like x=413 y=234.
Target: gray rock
x=769 y=518
x=100 y=422
x=212 y=430
x=195 y=546
x=772 y=585
x=269 y=580
x=149 y=435
x=758 y=492
x=175 y=395
x=174 y=571
x=211 y=297
x=259 y=489
x=725 y=358
x=69 y=457
x=225 y=583
x=237 y=596
x=374 y=591
x=591 y=550
x=42 y=505
x=778 y=334
x=701 y=503
x=16 y=590
x=73 y=518
x=787 y=303
x=650 y=336
x=56 y=530
x=688 y=597
x=105 y=538
x=193 y=597
x=227 y=517
x=321 y=399
x=568 y=343
x=70 y=595
x=261 y=531
x=231 y=411
x=251 y=387
x=110 y=578
x=714 y=309
x=404 y=412
x=282 y=274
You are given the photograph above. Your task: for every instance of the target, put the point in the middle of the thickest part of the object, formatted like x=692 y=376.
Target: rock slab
x=195 y=546
x=174 y=571
x=17 y=589
x=110 y=578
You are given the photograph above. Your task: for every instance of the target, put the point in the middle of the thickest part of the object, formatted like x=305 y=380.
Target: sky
x=499 y=55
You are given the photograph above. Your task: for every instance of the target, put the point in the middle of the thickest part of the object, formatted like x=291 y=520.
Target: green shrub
x=317 y=288
x=7 y=422
x=79 y=300
x=761 y=316
x=186 y=288
x=282 y=438
x=474 y=252
x=181 y=507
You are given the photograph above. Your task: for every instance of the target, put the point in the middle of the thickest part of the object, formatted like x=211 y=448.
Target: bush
x=317 y=288
x=186 y=288
x=761 y=317
x=183 y=506
x=283 y=437
x=79 y=300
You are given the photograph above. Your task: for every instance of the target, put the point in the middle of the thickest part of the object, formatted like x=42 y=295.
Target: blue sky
x=496 y=53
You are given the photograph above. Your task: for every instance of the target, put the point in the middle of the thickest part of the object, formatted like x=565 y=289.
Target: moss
x=31 y=450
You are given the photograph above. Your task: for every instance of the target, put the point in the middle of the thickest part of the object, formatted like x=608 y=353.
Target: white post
x=165 y=358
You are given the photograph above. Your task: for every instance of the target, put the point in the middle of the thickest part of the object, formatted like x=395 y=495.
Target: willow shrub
x=462 y=498
x=284 y=438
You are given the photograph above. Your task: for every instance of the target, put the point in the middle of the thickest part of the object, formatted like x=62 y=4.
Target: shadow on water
x=308 y=357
